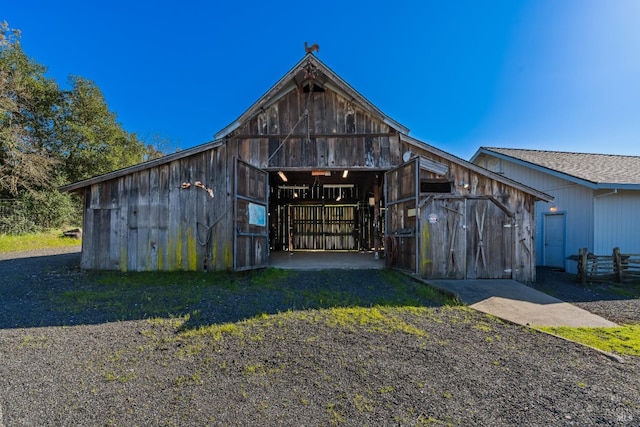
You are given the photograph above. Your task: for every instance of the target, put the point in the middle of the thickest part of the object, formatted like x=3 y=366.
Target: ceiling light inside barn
x=345 y=173
x=282 y=176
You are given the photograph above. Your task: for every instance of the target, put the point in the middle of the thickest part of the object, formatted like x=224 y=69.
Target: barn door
x=442 y=238
x=250 y=220
x=489 y=240
x=401 y=196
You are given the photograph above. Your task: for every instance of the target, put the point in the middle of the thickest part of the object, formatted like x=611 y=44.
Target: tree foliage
x=27 y=107
x=51 y=137
x=91 y=141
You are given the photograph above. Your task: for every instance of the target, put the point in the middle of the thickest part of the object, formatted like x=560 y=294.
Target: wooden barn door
x=250 y=219
x=489 y=240
x=401 y=229
x=442 y=239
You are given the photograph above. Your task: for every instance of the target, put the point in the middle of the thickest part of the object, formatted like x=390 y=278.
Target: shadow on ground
x=52 y=290
x=564 y=286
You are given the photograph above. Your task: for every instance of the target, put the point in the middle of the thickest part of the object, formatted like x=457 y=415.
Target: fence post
x=617 y=264
x=582 y=265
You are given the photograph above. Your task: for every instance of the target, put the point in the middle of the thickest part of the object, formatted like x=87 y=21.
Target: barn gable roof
x=325 y=77
x=596 y=171
x=296 y=77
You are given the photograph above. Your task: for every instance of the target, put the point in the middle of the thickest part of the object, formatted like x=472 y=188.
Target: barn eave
x=539 y=195
x=76 y=186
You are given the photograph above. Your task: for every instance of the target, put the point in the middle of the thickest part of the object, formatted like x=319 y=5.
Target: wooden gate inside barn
x=465 y=238
x=322 y=227
x=251 y=222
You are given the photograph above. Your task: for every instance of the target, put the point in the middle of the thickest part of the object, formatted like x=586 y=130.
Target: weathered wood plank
x=154 y=219
x=132 y=182
x=144 y=222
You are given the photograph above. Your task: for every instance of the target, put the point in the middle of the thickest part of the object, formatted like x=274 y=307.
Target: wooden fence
x=615 y=267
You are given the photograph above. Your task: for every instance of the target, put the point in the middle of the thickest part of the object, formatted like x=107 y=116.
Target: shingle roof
x=595 y=168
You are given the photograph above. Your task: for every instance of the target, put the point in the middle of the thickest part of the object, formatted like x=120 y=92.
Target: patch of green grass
x=386 y=389
x=216 y=332
x=628 y=291
x=413 y=292
x=123 y=378
x=270 y=278
x=33 y=341
x=32 y=241
x=143 y=295
x=190 y=296
x=623 y=339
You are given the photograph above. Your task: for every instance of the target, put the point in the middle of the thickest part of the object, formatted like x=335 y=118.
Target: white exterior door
x=554 y=240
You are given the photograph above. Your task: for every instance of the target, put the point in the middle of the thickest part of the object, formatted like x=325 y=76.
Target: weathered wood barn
x=311 y=166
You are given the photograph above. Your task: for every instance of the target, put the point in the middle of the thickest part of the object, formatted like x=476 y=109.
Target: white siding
x=574 y=200
x=616 y=222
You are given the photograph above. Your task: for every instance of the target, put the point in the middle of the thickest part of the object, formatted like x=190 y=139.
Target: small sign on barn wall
x=432 y=218
x=257 y=215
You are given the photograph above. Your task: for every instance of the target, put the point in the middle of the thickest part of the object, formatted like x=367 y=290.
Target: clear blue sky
x=539 y=74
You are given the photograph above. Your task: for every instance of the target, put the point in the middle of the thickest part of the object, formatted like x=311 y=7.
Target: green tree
x=91 y=141
x=50 y=137
x=28 y=105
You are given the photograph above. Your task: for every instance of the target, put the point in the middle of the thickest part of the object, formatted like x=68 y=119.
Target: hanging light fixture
x=345 y=173
x=282 y=176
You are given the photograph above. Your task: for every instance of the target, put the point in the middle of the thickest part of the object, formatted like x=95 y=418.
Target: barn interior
x=326 y=210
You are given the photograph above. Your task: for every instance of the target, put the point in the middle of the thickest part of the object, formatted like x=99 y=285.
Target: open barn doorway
x=326 y=211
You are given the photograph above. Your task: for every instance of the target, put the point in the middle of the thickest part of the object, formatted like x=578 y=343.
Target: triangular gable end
x=310 y=74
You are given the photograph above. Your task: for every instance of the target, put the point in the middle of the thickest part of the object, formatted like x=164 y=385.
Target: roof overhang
x=141 y=166
x=539 y=195
x=574 y=179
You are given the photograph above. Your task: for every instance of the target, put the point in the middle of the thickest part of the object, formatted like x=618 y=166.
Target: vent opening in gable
x=312 y=87
x=435 y=186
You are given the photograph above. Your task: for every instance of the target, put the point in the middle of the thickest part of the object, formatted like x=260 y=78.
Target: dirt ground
x=391 y=365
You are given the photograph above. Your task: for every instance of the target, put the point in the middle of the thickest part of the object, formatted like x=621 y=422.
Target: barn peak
x=310 y=74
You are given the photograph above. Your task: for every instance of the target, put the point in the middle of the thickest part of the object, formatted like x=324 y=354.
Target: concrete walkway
x=322 y=260
x=517 y=303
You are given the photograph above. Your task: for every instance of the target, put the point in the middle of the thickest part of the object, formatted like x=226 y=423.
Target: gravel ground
x=383 y=366
x=604 y=299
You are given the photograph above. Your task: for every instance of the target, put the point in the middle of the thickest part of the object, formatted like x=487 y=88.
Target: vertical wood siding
x=146 y=221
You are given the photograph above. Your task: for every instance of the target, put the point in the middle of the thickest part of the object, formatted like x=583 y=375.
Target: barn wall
x=334 y=134
x=509 y=220
x=146 y=221
x=573 y=200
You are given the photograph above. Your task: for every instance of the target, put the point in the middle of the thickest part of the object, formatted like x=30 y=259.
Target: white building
x=596 y=200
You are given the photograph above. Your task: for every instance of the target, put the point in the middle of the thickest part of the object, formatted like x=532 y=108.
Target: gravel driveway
x=379 y=366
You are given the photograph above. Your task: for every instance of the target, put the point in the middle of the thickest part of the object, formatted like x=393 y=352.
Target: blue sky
x=539 y=74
